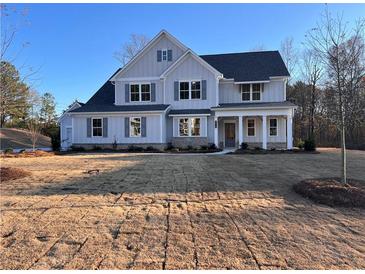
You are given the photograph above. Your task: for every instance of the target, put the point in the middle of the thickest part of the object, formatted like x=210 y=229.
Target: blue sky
x=72 y=45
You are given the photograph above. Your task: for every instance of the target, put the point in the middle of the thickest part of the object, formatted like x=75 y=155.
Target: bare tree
x=312 y=72
x=34 y=124
x=341 y=50
x=129 y=49
x=289 y=54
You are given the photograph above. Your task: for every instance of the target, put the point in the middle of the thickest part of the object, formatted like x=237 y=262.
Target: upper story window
x=97 y=127
x=140 y=92
x=273 y=127
x=164 y=55
x=135 y=127
x=190 y=90
x=251 y=92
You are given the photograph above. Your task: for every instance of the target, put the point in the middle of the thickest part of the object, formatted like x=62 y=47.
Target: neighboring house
x=168 y=94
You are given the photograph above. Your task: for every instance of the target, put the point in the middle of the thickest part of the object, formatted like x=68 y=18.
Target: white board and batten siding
x=116 y=130
x=274 y=91
x=147 y=66
x=190 y=70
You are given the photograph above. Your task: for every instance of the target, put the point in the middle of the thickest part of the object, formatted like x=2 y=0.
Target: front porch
x=265 y=129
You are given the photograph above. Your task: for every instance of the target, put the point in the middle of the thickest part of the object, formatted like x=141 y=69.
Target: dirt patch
x=27 y=154
x=331 y=191
x=11 y=173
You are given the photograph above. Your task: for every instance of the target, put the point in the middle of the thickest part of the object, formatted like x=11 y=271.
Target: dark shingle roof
x=189 y=111
x=103 y=101
x=122 y=108
x=248 y=66
x=256 y=105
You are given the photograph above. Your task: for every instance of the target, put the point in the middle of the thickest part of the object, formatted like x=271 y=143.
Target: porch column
x=240 y=131
x=264 y=132
x=289 y=132
x=216 y=131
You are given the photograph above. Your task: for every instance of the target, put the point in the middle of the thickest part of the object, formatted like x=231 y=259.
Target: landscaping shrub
x=244 y=145
x=169 y=146
x=56 y=142
x=309 y=145
x=189 y=147
x=300 y=144
x=8 y=150
x=257 y=148
x=96 y=148
x=212 y=146
x=203 y=147
x=150 y=148
x=133 y=148
x=77 y=148
x=115 y=145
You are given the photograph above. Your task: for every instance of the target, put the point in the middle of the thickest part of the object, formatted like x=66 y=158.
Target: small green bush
x=203 y=147
x=8 y=150
x=77 y=148
x=133 y=148
x=96 y=148
x=212 y=146
x=189 y=147
x=150 y=148
x=309 y=145
x=300 y=144
x=257 y=148
x=169 y=146
x=244 y=145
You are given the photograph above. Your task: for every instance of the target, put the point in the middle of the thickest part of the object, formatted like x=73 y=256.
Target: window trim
x=189 y=127
x=190 y=81
x=92 y=126
x=251 y=92
x=277 y=127
x=139 y=91
x=130 y=127
x=254 y=127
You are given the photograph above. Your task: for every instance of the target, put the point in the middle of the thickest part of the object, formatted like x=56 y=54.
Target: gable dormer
x=162 y=51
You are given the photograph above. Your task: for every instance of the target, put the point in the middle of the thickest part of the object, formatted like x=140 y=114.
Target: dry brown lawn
x=177 y=212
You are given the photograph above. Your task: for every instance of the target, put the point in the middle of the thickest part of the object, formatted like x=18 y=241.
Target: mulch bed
x=274 y=151
x=11 y=173
x=27 y=154
x=332 y=192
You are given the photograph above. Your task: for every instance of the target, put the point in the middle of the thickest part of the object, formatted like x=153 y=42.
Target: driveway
x=124 y=211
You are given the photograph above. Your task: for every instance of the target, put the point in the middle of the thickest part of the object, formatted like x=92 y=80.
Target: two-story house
x=169 y=94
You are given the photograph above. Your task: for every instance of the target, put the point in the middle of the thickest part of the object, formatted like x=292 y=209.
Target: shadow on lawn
x=205 y=176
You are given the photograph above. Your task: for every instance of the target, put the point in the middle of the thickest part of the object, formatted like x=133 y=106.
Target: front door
x=230 y=134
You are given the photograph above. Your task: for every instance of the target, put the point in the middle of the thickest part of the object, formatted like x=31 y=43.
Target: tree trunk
x=343 y=153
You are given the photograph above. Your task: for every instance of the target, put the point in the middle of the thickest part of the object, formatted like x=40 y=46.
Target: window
x=251 y=92
x=190 y=90
x=195 y=90
x=195 y=126
x=250 y=127
x=184 y=127
x=189 y=127
x=273 y=127
x=245 y=89
x=146 y=92
x=135 y=127
x=256 y=92
x=184 y=90
x=164 y=54
x=97 y=127
x=140 y=92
